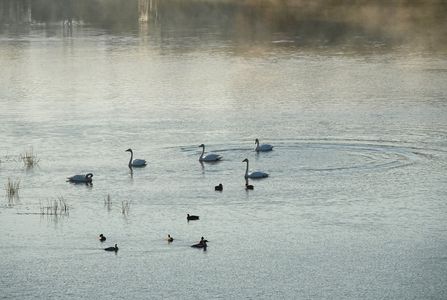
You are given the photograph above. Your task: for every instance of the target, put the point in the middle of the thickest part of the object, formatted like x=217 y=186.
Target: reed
x=125 y=207
x=55 y=207
x=108 y=202
x=29 y=159
x=12 y=188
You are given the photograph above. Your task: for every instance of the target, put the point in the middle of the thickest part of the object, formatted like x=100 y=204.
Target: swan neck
x=131 y=157
x=203 y=152
x=246 y=170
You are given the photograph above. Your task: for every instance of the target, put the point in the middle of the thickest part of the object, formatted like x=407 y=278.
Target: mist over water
x=351 y=94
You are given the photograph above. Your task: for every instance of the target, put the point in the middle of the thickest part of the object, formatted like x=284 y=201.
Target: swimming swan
x=136 y=163
x=209 y=157
x=262 y=147
x=87 y=178
x=254 y=175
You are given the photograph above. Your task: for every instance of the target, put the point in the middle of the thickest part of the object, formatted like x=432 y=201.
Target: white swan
x=262 y=147
x=136 y=162
x=209 y=157
x=255 y=174
x=87 y=178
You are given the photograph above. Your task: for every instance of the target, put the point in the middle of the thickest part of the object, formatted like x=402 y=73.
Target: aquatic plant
x=12 y=189
x=55 y=207
x=125 y=206
x=29 y=159
x=108 y=202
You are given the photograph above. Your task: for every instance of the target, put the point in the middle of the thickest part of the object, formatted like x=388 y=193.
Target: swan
x=136 y=163
x=262 y=147
x=112 y=248
x=191 y=217
x=102 y=238
x=209 y=157
x=219 y=187
x=87 y=178
x=255 y=174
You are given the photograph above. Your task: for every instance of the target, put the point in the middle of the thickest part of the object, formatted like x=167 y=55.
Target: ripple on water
x=326 y=155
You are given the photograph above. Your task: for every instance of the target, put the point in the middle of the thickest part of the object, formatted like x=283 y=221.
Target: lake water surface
x=355 y=206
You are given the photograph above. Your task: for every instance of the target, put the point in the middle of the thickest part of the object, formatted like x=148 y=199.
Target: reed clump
x=29 y=159
x=12 y=189
x=55 y=207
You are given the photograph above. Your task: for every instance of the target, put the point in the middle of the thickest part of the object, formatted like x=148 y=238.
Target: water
x=354 y=208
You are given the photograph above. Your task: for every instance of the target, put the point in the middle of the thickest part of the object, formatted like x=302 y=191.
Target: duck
x=112 y=248
x=201 y=244
x=248 y=186
x=135 y=163
x=170 y=239
x=191 y=217
x=210 y=157
x=262 y=147
x=102 y=238
x=255 y=174
x=87 y=178
x=219 y=187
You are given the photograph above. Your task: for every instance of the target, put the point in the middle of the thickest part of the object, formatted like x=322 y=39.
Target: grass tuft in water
x=29 y=159
x=55 y=207
x=12 y=189
x=125 y=207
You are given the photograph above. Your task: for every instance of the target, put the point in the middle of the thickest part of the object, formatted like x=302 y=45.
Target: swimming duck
x=170 y=238
x=219 y=187
x=201 y=244
x=112 y=248
x=248 y=186
x=191 y=217
x=102 y=238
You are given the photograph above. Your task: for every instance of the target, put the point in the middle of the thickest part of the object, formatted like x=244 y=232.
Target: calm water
x=354 y=208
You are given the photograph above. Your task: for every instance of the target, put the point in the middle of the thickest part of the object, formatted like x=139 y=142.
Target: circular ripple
x=317 y=155
x=354 y=155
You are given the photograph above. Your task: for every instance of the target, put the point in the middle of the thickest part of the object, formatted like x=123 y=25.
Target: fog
x=390 y=22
